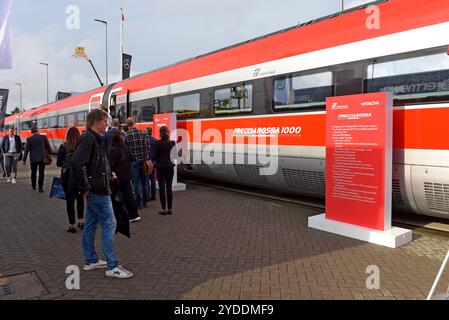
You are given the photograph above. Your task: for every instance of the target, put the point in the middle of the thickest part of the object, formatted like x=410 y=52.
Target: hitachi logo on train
x=370 y=103
x=354 y=116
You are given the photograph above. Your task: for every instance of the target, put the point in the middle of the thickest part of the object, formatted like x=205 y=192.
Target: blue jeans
x=140 y=183
x=99 y=211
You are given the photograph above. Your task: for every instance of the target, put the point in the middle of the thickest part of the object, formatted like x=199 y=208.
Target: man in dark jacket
x=37 y=146
x=90 y=164
x=110 y=133
x=12 y=151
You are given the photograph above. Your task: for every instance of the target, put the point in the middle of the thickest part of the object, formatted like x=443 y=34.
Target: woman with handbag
x=165 y=170
x=64 y=161
x=120 y=164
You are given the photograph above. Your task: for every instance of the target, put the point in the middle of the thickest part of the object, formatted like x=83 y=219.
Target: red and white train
x=282 y=80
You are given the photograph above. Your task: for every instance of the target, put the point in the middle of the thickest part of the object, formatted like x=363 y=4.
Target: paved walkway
x=217 y=245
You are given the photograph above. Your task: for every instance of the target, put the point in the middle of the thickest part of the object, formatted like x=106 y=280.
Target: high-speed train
x=279 y=83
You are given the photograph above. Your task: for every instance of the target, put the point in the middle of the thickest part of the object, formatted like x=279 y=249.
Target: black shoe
x=72 y=230
x=153 y=199
x=41 y=191
x=4 y=175
x=145 y=205
x=169 y=212
x=34 y=188
x=163 y=213
x=81 y=226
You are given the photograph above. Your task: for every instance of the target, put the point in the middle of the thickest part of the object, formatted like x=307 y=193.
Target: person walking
x=120 y=165
x=138 y=148
x=37 y=146
x=64 y=161
x=152 y=177
x=12 y=152
x=91 y=166
x=165 y=170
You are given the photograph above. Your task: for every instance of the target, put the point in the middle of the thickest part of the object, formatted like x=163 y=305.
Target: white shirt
x=12 y=145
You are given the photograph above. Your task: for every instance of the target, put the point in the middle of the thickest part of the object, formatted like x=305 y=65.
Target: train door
x=95 y=101
x=118 y=104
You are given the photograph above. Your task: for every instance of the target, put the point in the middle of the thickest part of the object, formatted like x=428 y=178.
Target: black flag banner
x=3 y=105
x=126 y=66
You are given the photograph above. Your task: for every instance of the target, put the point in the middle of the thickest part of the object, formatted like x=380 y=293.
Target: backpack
x=66 y=171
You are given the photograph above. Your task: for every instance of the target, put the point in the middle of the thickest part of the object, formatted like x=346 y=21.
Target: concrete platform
x=217 y=245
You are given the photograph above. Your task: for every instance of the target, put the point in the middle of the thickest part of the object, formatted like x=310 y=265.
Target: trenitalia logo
x=370 y=103
x=335 y=106
x=258 y=73
x=354 y=116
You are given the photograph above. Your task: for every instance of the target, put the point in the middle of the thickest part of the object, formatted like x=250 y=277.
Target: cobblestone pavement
x=217 y=245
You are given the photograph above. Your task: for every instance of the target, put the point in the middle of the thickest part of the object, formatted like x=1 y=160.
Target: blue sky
x=157 y=33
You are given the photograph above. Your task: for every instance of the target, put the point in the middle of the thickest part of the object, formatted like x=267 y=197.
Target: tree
x=15 y=111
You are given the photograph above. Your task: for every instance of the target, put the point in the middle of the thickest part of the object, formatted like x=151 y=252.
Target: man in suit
x=37 y=145
x=12 y=150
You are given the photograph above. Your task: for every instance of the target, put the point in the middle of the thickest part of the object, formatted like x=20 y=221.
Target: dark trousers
x=165 y=179
x=2 y=163
x=70 y=202
x=152 y=186
x=128 y=198
x=34 y=167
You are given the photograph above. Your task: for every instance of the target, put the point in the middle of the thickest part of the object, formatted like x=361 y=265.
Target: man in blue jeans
x=91 y=167
x=138 y=146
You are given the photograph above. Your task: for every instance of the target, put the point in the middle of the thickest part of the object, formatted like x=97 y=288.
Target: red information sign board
x=359 y=160
x=164 y=120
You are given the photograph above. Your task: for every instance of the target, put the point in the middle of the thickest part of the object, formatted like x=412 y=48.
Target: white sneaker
x=136 y=219
x=95 y=266
x=119 y=272
x=13 y=181
x=8 y=180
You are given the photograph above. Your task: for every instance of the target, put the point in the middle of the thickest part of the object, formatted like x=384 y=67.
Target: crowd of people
x=96 y=165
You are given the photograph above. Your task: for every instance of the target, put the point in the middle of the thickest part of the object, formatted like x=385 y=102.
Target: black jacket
x=90 y=164
x=120 y=162
x=5 y=144
x=36 y=146
x=162 y=153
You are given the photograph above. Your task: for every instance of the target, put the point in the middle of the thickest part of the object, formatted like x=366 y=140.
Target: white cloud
x=65 y=72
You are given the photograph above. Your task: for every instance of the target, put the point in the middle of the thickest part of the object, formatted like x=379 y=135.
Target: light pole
x=20 y=85
x=106 y=24
x=46 y=64
x=342 y=5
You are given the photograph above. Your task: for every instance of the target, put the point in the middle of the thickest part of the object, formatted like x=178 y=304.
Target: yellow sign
x=80 y=52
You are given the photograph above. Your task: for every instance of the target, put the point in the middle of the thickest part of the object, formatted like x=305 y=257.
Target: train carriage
x=282 y=81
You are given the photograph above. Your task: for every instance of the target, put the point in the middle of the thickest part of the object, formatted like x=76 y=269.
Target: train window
x=147 y=113
x=417 y=79
x=187 y=106
x=70 y=120
x=300 y=92
x=45 y=123
x=26 y=125
x=81 y=121
x=61 y=121
x=238 y=99
x=53 y=122
x=40 y=123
